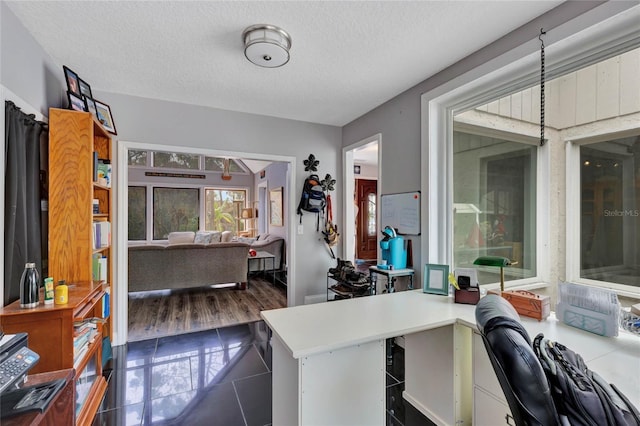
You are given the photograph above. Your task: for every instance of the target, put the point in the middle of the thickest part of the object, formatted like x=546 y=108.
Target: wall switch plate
x=300 y=229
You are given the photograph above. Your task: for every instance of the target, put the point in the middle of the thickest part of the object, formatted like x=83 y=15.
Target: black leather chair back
x=519 y=372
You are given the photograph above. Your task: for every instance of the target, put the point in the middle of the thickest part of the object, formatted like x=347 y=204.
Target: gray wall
x=26 y=69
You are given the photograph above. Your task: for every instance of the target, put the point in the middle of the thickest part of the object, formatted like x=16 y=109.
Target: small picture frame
x=90 y=105
x=275 y=207
x=73 y=82
x=85 y=89
x=75 y=102
x=103 y=114
x=356 y=170
x=436 y=279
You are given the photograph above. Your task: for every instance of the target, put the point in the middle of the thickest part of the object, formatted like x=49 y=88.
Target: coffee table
x=264 y=256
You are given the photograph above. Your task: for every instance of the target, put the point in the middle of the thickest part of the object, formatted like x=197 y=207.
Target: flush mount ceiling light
x=266 y=45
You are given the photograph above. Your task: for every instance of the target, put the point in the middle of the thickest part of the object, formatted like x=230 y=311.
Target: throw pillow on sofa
x=246 y=240
x=183 y=237
x=203 y=237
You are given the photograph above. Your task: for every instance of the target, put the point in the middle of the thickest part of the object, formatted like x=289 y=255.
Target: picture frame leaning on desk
x=436 y=279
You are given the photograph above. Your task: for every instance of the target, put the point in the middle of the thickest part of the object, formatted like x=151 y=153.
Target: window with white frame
x=608 y=211
x=567 y=210
x=494 y=199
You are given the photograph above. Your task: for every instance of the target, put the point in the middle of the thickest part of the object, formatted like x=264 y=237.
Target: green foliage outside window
x=175 y=209
x=137 y=213
x=176 y=160
x=222 y=209
x=137 y=157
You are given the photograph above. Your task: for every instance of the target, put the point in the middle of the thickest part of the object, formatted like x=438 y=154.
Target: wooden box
x=529 y=304
x=469 y=296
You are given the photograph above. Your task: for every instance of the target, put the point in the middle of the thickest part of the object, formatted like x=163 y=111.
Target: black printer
x=16 y=359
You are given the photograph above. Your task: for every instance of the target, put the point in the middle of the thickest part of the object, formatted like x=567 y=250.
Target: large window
x=610 y=211
x=494 y=187
x=176 y=160
x=180 y=209
x=222 y=210
x=137 y=213
x=175 y=209
x=566 y=208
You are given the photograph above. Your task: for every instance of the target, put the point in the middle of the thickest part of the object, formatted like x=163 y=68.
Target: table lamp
x=494 y=261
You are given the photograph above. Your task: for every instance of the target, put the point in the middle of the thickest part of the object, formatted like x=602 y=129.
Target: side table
x=263 y=255
x=392 y=275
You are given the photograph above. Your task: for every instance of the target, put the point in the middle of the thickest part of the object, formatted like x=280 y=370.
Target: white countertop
x=322 y=327
x=313 y=329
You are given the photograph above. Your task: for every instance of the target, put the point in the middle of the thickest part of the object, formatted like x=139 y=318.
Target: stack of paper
x=592 y=309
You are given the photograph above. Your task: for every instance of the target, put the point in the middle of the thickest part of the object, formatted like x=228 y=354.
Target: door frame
x=121 y=175
x=348 y=179
x=364 y=241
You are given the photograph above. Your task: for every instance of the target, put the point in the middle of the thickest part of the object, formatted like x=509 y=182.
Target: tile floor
x=214 y=377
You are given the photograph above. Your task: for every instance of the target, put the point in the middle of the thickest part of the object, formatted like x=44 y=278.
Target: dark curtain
x=22 y=228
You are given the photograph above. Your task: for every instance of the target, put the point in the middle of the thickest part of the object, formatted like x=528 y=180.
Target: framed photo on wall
x=275 y=207
x=75 y=102
x=103 y=113
x=90 y=106
x=73 y=82
x=85 y=89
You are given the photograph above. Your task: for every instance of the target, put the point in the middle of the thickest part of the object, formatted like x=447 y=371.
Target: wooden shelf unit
x=76 y=141
x=74 y=136
x=50 y=334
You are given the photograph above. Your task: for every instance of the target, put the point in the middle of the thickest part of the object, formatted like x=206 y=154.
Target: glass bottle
x=29 y=286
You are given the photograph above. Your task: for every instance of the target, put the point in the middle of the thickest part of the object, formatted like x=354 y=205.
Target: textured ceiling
x=346 y=58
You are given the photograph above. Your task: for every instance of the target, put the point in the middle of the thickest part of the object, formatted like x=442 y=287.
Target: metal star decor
x=328 y=183
x=311 y=164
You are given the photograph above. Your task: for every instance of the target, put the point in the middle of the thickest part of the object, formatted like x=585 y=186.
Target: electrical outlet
x=300 y=229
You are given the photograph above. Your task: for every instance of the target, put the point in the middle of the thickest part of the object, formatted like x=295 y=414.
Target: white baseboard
x=315 y=298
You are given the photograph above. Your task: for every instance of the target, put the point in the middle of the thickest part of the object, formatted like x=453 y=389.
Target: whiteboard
x=401 y=212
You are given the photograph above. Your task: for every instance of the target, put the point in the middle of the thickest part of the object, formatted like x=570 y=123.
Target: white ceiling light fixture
x=266 y=45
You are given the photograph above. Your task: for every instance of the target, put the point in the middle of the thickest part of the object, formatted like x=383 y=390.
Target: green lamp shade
x=498 y=261
x=492 y=261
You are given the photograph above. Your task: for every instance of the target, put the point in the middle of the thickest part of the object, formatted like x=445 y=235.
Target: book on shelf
x=101 y=234
x=95 y=166
x=92 y=321
x=77 y=357
x=106 y=304
x=104 y=173
x=99 y=268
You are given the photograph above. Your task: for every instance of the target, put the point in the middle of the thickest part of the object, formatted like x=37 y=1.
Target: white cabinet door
x=489 y=411
x=483 y=374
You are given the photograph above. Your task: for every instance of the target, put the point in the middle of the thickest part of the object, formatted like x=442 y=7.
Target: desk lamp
x=494 y=261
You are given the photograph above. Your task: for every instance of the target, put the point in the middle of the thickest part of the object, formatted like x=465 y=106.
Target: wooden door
x=366 y=231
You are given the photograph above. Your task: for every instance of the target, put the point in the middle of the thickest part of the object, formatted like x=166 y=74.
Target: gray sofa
x=177 y=266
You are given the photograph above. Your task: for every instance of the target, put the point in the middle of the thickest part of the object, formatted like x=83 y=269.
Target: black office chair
x=519 y=372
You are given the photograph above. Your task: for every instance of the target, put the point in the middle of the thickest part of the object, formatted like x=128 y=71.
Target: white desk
x=329 y=360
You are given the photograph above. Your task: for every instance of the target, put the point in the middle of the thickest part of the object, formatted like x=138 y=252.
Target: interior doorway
x=121 y=306
x=362 y=163
x=366 y=219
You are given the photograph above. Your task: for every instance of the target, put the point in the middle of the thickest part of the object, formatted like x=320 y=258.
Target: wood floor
x=159 y=314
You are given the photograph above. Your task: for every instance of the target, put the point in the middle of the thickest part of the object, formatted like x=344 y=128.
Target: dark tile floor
x=214 y=377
